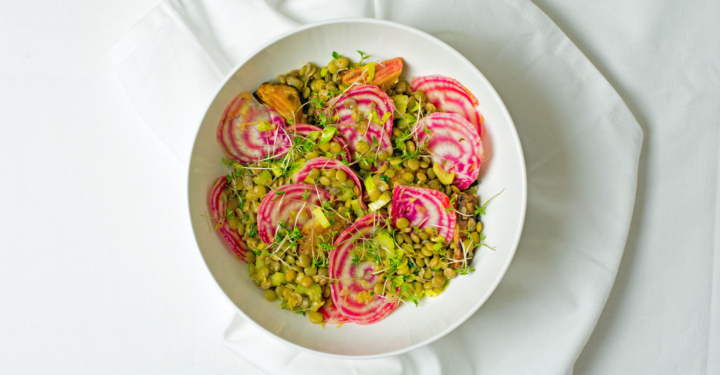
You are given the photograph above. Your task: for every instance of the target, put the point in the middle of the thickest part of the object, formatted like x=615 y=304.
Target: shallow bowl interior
x=408 y=327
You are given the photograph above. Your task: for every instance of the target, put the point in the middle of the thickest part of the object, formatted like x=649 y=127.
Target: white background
x=99 y=275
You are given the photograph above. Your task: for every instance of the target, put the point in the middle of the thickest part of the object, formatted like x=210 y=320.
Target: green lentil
x=299 y=278
x=342 y=62
x=263 y=272
x=249 y=256
x=304 y=261
x=270 y=295
x=307 y=281
x=335 y=148
x=378 y=289
x=438 y=281
x=418 y=287
x=362 y=147
x=449 y=273
x=410 y=145
x=315 y=317
x=402 y=223
x=431 y=173
x=330 y=173
x=317 y=85
x=310 y=271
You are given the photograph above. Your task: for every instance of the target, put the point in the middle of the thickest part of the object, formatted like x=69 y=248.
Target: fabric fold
x=581 y=146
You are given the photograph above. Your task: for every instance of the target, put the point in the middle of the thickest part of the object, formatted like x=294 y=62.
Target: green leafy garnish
x=480 y=210
x=416 y=107
x=363 y=56
x=327 y=134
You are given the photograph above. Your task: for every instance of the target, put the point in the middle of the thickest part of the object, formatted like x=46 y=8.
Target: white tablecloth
x=97 y=278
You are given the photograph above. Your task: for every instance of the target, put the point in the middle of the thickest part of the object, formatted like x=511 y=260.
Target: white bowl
x=408 y=327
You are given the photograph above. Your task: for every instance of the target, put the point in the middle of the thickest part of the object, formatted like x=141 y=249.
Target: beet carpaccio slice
x=369 y=100
x=218 y=210
x=304 y=130
x=331 y=314
x=454 y=143
x=374 y=132
x=239 y=132
x=289 y=204
x=352 y=280
x=451 y=96
x=321 y=163
x=424 y=208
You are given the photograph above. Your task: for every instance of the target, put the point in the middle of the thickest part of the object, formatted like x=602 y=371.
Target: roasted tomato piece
x=386 y=74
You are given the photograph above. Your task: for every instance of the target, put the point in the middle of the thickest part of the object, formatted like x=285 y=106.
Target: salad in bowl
x=349 y=189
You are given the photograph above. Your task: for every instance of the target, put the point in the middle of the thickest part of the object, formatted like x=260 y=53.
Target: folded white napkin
x=581 y=147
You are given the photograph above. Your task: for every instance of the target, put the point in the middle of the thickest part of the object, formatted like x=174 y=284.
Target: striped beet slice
x=424 y=208
x=289 y=204
x=304 y=130
x=238 y=132
x=321 y=164
x=368 y=98
x=373 y=133
x=331 y=315
x=352 y=280
x=451 y=96
x=218 y=206
x=454 y=143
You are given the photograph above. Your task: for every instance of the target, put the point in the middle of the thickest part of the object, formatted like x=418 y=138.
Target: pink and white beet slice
x=350 y=280
x=368 y=99
x=454 y=143
x=218 y=204
x=321 y=163
x=238 y=132
x=424 y=208
x=289 y=204
x=451 y=96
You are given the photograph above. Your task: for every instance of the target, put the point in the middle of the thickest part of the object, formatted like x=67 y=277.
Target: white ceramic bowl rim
x=506 y=114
